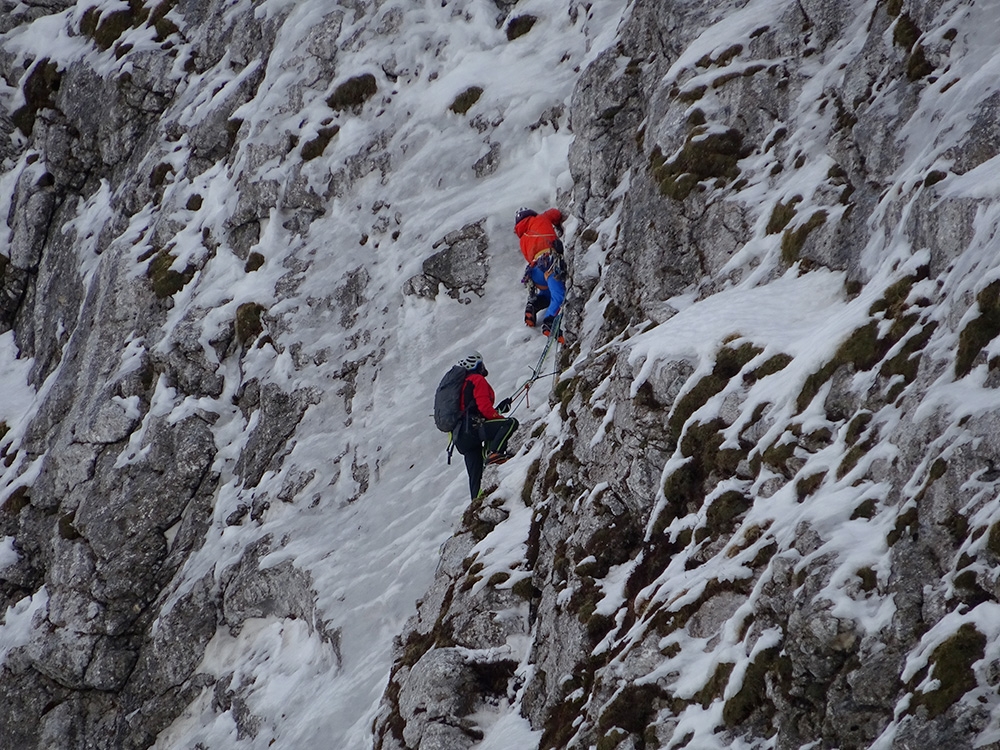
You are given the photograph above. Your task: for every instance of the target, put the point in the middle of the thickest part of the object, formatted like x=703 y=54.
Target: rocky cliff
x=763 y=511
x=244 y=239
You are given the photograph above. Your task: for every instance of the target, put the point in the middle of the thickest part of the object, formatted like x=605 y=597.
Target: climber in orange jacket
x=545 y=275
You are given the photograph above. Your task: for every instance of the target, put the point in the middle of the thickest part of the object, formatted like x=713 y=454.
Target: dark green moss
x=781 y=214
x=66 y=528
x=559 y=726
x=866 y=510
x=806 y=486
x=472 y=576
x=158 y=20
x=979 y=332
x=612 y=739
x=906 y=523
x=775 y=364
x=525 y=589
x=725 y=509
x=353 y=92
x=776 y=455
x=752 y=695
x=951 y=664
x=705 y=155
x=166 y=281
x=793 y=240
x=862 y=350
x=993 y=540
x=519 y=26
x=868 y=578
x=691 y=95
x=893 y=7
x=905 y=33
x=632 y=710
x=498 y=579
x=106 y=28
x=714 y=688
x=465 y=101
x=728 y=363
x=254 y=261
x=893 y=300
x=314 y=148
x=917 y=64
x=934 y=177
x=17 y=501
x=249 y=323
x=159 y=174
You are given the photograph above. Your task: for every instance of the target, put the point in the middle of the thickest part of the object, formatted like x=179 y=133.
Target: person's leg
x=537 y=301
x=474 y=466
x=498 y=432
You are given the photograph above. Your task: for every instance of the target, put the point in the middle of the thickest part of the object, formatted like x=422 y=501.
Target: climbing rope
x=521 y=394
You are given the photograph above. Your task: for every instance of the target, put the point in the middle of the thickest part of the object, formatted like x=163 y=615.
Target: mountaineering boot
x=547 y=331
x=498 y=458
x=529 y=318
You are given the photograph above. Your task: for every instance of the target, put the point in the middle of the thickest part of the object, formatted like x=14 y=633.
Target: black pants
x=476 y=442
x=538 y=300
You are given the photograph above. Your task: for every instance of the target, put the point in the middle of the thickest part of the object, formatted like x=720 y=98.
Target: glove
x=504 y=406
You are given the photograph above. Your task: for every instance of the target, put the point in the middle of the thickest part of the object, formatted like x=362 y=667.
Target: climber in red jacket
x=545 y=275
x=482 y=432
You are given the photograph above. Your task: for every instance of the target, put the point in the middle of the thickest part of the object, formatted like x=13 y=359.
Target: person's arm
x=483 y=394
x=554 y=215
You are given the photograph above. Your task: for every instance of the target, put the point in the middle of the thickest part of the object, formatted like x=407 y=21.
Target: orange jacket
x=537 y=233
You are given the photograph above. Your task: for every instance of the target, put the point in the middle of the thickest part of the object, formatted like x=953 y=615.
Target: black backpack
x=447 y=411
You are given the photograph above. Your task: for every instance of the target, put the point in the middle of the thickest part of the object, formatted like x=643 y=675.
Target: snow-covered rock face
x=245 y=239
x=763 y=511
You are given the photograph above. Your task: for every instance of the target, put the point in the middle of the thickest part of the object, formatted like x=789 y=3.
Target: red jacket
x=482 y=395
x=537 y=233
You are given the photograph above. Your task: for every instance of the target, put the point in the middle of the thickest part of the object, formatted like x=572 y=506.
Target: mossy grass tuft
x=67 y=530
x=951 y=664
x=249 y=322
x=353 y=92
x=315 y=147
x=794 y=239
x=166 y=281
x=632 y=709
x=17 y=501
x=254 y=261
x=906 y=32
x=465 y=101
x=519 y=26
x=752 y=695
x=979 y=332
x=729 y=362
x=781 y=215
x=706 y=155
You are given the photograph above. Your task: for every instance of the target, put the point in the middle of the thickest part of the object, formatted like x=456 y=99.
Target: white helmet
x=471 y=361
